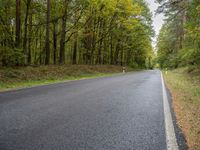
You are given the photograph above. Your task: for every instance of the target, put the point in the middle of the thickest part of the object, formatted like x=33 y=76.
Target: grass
x=184 y=85
x=20 y=77
x=31 y=83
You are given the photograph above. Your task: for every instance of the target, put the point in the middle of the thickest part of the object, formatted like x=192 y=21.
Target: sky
x=157 y=19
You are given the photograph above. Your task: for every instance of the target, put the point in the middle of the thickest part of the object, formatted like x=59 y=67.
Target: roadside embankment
x=184 y=84
x=18 y=77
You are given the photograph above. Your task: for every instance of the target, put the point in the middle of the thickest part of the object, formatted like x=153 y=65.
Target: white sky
x=157 y=19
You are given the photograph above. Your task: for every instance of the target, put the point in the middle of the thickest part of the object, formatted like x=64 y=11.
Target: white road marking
x=171 y=140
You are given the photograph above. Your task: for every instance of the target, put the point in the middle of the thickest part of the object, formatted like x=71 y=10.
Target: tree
x=79 y=32
x=47 y=45
x=18 y=23
x=178 y=42
x=28 y=3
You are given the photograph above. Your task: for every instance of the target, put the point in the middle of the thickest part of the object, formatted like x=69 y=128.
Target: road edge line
x=171 y=140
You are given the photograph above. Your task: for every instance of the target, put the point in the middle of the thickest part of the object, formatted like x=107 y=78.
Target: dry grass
x=28 y=76
x=185 y=89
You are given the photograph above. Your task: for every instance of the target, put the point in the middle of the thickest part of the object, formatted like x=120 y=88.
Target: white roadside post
x=166 y=71
x=124 y=69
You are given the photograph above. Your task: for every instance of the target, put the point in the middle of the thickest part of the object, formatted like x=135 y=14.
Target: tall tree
x=63 y=33
x=79 y=32
x=18 y=23
x=28 y=3
x=47 y=41
x=75 y=46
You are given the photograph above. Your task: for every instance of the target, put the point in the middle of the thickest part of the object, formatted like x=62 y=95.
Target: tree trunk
x=18 y=23
x=62 y=41
x=26 y=27
x=54 y=43
x=111 y=49
x=47 y=45
x=117 y=52
x=93 y=48
x=87 y=43
x=29 y=40
x=101 y=26
x=122 y=56
x=63 y=34
x=75 y=48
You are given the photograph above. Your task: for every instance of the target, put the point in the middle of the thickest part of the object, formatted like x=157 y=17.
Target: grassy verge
x=19 y=77
x=184 y=85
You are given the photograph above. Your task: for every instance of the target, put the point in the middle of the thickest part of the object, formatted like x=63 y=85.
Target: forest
x=46 y=32
x=43 y=42
x=179 y=39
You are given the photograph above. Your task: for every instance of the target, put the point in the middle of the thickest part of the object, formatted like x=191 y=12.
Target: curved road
x=123 y=112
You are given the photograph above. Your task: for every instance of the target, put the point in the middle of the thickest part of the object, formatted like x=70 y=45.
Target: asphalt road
x=123 y=112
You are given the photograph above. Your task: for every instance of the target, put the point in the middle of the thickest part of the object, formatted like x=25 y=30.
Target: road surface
x=123 y=112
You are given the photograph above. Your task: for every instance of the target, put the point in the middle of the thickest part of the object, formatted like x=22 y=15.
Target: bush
x=11 y=56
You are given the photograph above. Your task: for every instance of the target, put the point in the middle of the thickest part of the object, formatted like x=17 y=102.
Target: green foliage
x=97 y=32
x=179 y=40
x=11 y=56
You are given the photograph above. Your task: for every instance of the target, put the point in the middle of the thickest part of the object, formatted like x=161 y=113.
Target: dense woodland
x=43 y=32
x=179 y=39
